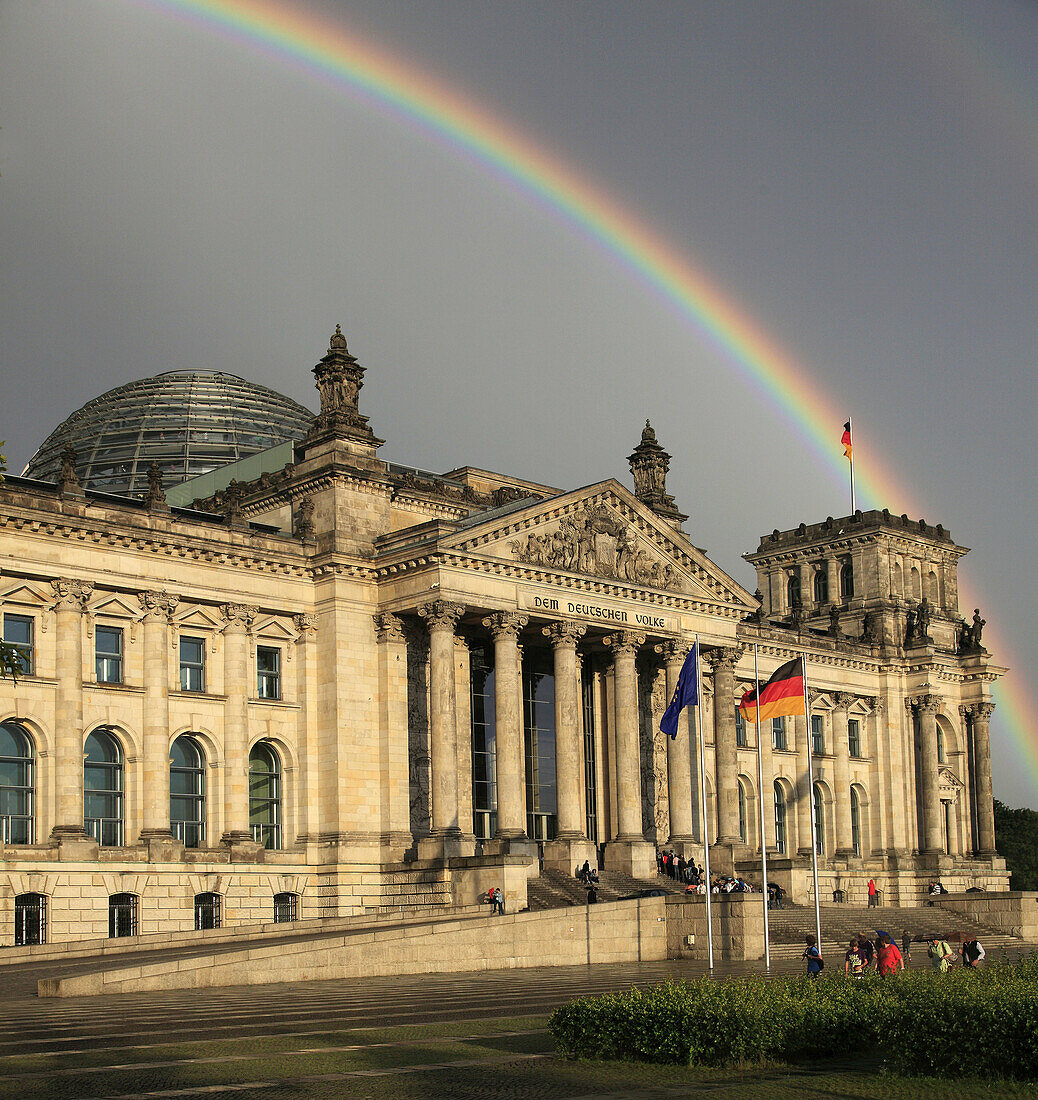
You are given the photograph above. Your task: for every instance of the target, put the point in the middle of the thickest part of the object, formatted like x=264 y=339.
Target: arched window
x=793 y=591
x=17 y=785
x=30 y=919
x=819 y=806
x=846 y=580
x=821 y=586
x=855 y=822
x=122 y=915
x=103 y=789
x=932 y=593
x=286 y=908
x=940 y=746
x=899 y=580
x=742 y=813
x=917 y=584
x=780 y=819
x=207 y=911
x=187 y=792
x=265 y=795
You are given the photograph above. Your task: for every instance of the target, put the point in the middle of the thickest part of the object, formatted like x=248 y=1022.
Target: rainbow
x=322 y=49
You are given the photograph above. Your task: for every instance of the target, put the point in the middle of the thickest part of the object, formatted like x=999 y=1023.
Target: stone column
x=985 y=798
x=70 y=603
x=237 y=686
x=726 y=785
x=679 y=764
x=628 y=750
x=442 y=617
x=842 y=775
x=568 y=776
x=158 y=615
x=802 y=732
x=505 y=629
x=395 y=783
x=926 y=707
x=832 y=566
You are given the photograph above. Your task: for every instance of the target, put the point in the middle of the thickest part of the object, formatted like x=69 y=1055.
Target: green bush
x=964 y=1023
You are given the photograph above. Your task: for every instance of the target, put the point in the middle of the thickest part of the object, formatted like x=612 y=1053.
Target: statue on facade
x=834 y=620
x=910 y=626
x=156 y=496
x=68 y=479
x=923 y=613
x=649 y=466
x=978 y=628
x=868 y=628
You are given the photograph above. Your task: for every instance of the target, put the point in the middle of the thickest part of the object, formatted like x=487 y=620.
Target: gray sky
x=861 y=178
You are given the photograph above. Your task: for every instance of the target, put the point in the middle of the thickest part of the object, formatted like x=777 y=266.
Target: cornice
x=179 y=545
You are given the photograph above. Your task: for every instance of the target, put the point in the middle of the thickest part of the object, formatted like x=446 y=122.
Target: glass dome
x=189 y=422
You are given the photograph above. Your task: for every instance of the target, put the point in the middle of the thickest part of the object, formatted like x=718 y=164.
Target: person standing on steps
x=873 y=894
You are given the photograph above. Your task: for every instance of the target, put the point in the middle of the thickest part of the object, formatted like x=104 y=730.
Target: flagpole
x=811 y=803
x=703 y=815
x=851 y=460
x=760 y=800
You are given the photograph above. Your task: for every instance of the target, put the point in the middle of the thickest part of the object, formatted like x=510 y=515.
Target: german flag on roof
x=783 y=694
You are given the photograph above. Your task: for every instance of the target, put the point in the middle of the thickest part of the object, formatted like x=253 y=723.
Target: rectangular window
x=817 y=735
x=740 y=729
x=192 y=664
x=18 y=633
x=778 y=733
x=853 y=737
x=108 y=654
x=268 y=672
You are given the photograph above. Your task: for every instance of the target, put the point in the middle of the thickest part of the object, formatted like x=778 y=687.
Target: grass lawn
x=502 y=1059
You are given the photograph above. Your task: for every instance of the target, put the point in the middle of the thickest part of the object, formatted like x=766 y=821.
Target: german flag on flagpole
x=783 y=694
x=845 y=439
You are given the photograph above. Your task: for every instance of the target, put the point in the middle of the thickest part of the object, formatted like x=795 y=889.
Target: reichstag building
x=267 y=676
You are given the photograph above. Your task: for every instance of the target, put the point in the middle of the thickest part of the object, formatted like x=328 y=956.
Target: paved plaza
x=472 y=1035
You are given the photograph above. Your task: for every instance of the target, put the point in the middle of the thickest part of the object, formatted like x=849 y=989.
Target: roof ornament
x=649 y=465
x=339 y=381
x=68 y=480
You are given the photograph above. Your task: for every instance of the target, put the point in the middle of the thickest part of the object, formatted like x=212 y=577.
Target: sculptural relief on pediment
x=598 y=542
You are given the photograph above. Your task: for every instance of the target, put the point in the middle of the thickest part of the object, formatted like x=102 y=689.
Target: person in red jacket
x=888 y=956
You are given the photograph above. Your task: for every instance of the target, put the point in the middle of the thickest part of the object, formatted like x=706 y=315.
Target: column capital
x=625 y=644
x=238 y=615
x=875 y=704
x=927 y=704
x=441 y=614
x=967 y=710
x=984 y=710
x=158 y=606
x=673 y=650
x=388 y=627
x=724 y=658
x=71 y=595
x=563 y=635
x=505 y=624
x=306 y=624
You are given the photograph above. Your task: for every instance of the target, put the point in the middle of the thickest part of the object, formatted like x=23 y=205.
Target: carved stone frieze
x=625 y=644
x=389 y=627
x=564 y=634
x=71 y=595
x=239 y=615
x=305 y=624
x=599 y=542
x=441 y=614
x=159 y=605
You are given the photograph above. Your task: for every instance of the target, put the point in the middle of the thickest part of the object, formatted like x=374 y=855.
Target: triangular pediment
x=602 y=531
x=26 y=594
x=270 y=627
x=115 y=607
x=198 y=618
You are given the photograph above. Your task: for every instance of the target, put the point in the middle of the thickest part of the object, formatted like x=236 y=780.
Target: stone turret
x=339 y=381
x=649 y=465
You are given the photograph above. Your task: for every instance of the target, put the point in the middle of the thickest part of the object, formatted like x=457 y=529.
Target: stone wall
x=1015 y=913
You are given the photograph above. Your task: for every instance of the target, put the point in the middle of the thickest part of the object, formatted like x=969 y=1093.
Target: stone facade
x=373 y=665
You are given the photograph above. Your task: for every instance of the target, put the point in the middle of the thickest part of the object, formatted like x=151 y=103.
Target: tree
x=1016 y=838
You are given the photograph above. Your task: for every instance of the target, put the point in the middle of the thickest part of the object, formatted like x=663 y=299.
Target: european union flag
x=686 y=694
